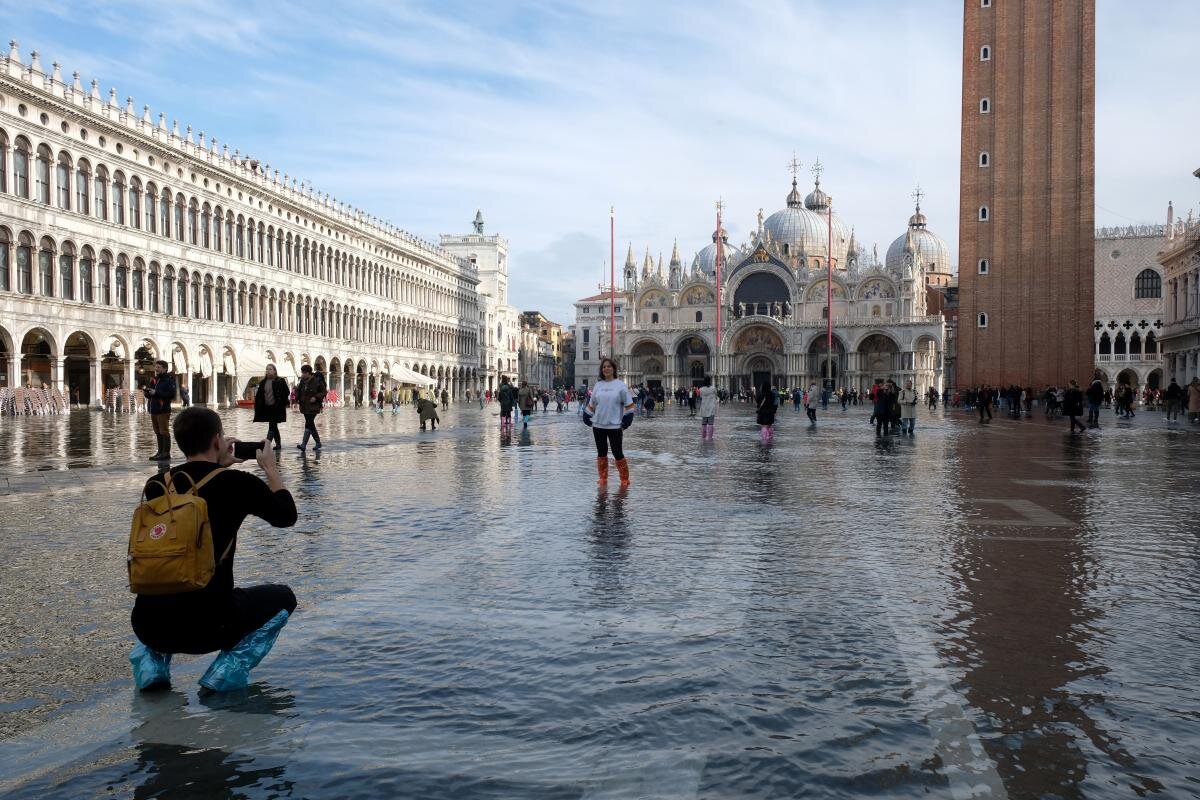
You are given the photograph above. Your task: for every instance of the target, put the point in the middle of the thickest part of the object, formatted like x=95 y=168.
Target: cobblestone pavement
x=976 y=611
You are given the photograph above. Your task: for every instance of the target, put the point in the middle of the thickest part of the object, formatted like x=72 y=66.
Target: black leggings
x=273 y=433
x=606 y=438
x=250 y=609
x=310 y=425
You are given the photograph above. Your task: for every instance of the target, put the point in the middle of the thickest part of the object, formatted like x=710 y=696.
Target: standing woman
x=708 y=409
x=507 y=397
x=768 y=402
x=310 y=394
x=1073 y=406
x=270 y=404
x=609 y=412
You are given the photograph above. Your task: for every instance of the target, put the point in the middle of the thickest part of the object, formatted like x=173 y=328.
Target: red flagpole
x=829 y=293
x=720 y=248
x=612 y=283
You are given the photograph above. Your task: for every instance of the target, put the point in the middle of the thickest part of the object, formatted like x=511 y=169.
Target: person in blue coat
x=159 y=394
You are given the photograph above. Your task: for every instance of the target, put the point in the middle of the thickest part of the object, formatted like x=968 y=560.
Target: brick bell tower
x=1027 y=193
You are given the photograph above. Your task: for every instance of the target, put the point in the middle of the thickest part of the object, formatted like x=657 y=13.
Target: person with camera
x=609 y=412
x=241 y=623
x=159 y=394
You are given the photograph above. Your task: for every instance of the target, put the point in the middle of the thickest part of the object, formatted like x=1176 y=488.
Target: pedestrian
x=1194 y=400
x=691 y=402
x=428 y=412
x=1173 y=395
x=984 y=401
x=310 y=393
x=479 y=397
x=1095 y=394
x=159 y=395
x=270 y=404
x=648 y=405
x=1073 y=406
x=507 y=396
x=810 y=403
x=908 y=408
x=767 y=402
x=528 y=403
x=797 y=399
x=881 y=410
x=185 y=396
x=609 y=412
x=545 y=398
x=242 y=623
x=708 y=398
x=445 y=400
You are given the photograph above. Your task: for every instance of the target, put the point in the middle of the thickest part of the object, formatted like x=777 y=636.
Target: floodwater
x=978 y=611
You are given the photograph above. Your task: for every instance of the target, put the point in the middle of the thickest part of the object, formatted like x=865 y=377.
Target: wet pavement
x=978 y=611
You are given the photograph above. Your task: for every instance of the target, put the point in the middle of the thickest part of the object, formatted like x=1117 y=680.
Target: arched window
x=181 y=295
x=41 y=175
x=1105 y=344
x=21 y=156
x=197 y=309
x=118 y=198
x=104 y=278
x=654 y=318
x=982 y=321
x=241 y=237
x=46 y=267
x=984 y=159
x=153 y=279
x=139 y=278
x=151 y=205
x=1135 y=344
x=699 y=316
x=1119 y=346
x=985 y=53
x=249 y=240
x=206 y=225
x=261 y=242
x=100 y=193
x=229 y=232
x=208 y=297
x=63 y=181
x=86 y=260
x=66 y=271
x=135 y=202
x=193 y=222
x=164 y=213
x=168 y=290
x=5 y=247
x=25 y=263
x=983 y=213
x=219 y=302
x=983 y=266
x=1151 y=344
x=985 y=106
x=83 y=182
x=180 y=206
x=3 y=162
x=270 y=246
x=122 y=282
x=1147 y=284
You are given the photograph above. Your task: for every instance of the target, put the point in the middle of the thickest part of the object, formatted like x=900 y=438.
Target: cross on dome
x=917 y=195
x=794 y=165
x=817 y=169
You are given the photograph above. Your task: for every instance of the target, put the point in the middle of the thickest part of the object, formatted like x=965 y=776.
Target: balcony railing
x=1104 y=358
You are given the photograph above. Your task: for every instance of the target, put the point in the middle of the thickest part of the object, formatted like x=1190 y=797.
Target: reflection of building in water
x=124 y=241
x=775 y=301
x=1022 y=633
x=1129 y=305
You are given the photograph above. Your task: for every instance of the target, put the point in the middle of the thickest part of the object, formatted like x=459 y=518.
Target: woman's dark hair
x=195 y=428
x=604 y=361
x=707 y=380
x=163 y=364
x=504 y=379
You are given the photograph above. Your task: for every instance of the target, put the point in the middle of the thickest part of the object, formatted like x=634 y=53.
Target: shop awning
x=251 y=364
x=228 y=363
x=406 y=375
x=287 y=370
x=179 y=362
x=206 y=367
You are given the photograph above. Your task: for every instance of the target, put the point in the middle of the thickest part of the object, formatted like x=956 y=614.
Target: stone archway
x=6 y=358
x=38 y=353
x=693 y=361
x=648 y=364
x=758 y=358
x=80 y=370
x=878 y=357
x=823 y=364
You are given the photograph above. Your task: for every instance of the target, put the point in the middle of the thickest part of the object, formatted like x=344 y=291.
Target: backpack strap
x=196 y=485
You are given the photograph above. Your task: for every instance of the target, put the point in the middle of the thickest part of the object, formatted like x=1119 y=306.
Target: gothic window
x=1147 y=284
x=1119 y=347
x=1105 y=344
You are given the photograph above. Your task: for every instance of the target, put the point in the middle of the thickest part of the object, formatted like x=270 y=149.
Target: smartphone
x=246 y=450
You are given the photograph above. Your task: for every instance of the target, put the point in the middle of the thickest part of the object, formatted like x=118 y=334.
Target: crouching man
x=200 y=611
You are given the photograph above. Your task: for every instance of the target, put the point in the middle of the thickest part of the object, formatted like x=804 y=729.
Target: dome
x=706 y=259
x=806 y=230
x=932 y=253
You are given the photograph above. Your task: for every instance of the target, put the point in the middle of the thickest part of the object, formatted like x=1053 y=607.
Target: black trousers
x=606 y=438
x=812 y=413
x=985 y=408
x=310 y=425
x=249 y=611
x=273 y=433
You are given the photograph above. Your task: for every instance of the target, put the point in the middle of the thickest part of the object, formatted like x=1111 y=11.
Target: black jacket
x=161 y=393
x=276 y=412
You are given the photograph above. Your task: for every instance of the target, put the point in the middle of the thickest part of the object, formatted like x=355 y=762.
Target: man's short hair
x=195 y=428
x=162 y=364
x=306 y=368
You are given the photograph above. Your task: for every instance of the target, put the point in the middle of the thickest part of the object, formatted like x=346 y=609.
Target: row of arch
x=73 y=184
x=1133 y=345
x=693 y=340
x=99 y=277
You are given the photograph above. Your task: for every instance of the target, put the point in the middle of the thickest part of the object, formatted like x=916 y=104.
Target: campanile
x=1027 y=193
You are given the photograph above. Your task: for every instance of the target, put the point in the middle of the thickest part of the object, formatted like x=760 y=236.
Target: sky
x=544 y=115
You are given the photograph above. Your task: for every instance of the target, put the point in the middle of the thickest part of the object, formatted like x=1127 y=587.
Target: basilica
x=776 y=300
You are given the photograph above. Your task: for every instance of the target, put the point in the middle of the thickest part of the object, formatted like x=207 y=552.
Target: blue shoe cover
x=151 y=669
x=230 y=670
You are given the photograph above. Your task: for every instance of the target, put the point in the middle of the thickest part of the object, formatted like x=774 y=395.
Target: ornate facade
x=123 y=241
x=1129 y=305
x=774 y=294
x=1180 y=260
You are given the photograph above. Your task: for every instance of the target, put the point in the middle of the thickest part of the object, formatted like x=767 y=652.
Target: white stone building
x=775 y=305
x=1129 y=305
x=591 y=330
x=499 y=322
x=1180 y=261
x=124 y=240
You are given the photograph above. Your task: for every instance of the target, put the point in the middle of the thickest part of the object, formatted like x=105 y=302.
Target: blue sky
x=543 y=114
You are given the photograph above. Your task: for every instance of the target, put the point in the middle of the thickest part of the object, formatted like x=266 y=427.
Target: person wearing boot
x=708 y=409
x=241 y=623
x=270 y=404
x=310 y=393
x=159 y=395
x=609 y=413
x=767 y=402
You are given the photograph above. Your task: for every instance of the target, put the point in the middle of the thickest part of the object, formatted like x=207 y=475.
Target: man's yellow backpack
x=170 y=541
